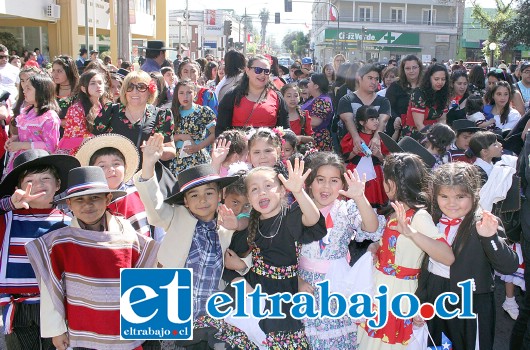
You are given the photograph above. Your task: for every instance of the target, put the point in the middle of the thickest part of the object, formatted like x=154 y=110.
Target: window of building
x=145 y=6
x=428 y=17
x=396 y=14
x=365 y=13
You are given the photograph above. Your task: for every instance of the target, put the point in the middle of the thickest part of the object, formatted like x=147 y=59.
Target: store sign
x=442 y=38
x=372 y=37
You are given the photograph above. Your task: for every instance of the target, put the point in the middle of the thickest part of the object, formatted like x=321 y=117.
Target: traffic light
x=288 y=5
x=277 y=18
x=227 y=28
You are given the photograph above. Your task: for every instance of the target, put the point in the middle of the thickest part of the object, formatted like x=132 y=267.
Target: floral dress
x=322 y=108
x=343 y=221
x=398 y=267
x=194 y=122
x=42 y=130
x=155 y=120
x=75 y=129
x=419 y=105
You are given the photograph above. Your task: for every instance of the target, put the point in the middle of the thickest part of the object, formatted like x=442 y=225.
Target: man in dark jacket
x=521 y=330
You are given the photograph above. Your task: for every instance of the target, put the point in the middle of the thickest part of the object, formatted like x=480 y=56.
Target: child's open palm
x=220 y=151
x=488 y=226
x=227 y=218
x=153 y=148
x=356 y=186
x=403 y=225
x=296 y=180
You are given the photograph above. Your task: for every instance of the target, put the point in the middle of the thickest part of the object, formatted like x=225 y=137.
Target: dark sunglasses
x=259 y=70
x=141 y=87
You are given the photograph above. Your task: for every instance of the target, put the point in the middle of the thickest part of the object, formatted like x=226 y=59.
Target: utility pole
x=124 y=49
x=245 y=33
x=86 y=25
x=95 y=45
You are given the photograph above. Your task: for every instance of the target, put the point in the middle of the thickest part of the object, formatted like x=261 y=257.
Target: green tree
x=296 y=42
x=10 y=42
x=496 y=23
x=517 y=27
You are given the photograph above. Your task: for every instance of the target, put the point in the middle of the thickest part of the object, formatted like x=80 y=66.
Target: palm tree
x=264 y=17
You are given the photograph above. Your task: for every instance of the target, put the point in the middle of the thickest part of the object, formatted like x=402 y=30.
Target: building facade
x=59 y=27
x=385 y=29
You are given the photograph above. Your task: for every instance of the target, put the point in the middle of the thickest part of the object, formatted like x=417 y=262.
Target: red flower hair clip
x=152 y=87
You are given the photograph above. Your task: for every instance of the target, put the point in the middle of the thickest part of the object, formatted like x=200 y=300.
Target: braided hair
x=254 y=214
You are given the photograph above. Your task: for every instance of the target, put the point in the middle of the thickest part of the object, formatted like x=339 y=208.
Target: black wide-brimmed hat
x=156 y=45
x=408 y=145
x=197 y=176
x=88 y=180
x=122 y=73
x=34 y=158
x=465 y=125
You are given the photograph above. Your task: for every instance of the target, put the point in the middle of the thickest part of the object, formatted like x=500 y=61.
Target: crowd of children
x=262 y=205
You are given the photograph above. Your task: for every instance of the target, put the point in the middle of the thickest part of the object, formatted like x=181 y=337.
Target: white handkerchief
x=183 y=153
x=366 y=166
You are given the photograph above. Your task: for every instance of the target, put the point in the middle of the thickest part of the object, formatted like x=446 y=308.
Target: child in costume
x=478 y=242
x=367 y=120
x=28 y=214
x=320 y=259
x=409 y=234
x=119 y=159
x=76 y=266
x=196 y=237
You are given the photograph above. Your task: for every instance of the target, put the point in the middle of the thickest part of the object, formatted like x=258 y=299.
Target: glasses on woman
x=259 y=70
x=140 y=87
x=410 y=69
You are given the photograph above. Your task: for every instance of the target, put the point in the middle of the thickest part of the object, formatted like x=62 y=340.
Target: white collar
x=487 y=167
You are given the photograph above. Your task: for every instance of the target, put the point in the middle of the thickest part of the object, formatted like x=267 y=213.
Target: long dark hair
x=161 y=86
x=234 y=63
x=402 y=77
x=454 y=77
x=491 y=92
x=30 y=70
x=242 y=87
x=70 y=69
x=322 y=159
x=175 y=104
x=409 y=173
x=465 y=177
x=45 y=97
x=477 y=78
x=435 y=98
x=208 y=71
x=84 y=98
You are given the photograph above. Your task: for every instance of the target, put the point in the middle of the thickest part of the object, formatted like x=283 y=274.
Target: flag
x=332 y=13
x=445 y=345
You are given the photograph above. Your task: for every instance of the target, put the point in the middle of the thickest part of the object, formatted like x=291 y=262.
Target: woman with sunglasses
x=320 y=109
x=66 y=77
x=254 y=102
x=135 y=117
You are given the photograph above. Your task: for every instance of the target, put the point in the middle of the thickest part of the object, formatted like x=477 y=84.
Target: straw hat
x=119 y=142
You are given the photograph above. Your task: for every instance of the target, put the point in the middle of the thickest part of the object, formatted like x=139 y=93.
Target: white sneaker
x=512 y=309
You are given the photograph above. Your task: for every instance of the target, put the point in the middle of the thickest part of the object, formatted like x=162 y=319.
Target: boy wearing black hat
x=464 y=129
x=27 y=214
x=193 y=238
x=78 y=267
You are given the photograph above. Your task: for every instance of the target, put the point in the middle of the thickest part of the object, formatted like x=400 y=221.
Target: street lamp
x=492 y=47
x=179 y=21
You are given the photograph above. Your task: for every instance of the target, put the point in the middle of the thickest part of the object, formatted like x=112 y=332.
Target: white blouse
x=513 y=118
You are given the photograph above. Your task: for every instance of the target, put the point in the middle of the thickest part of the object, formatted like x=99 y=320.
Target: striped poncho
x=80 y=271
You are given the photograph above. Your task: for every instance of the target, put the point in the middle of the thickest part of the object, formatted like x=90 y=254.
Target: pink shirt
x=42 y=130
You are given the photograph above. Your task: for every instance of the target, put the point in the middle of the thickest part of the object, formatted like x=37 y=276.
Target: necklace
x=273 y=223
